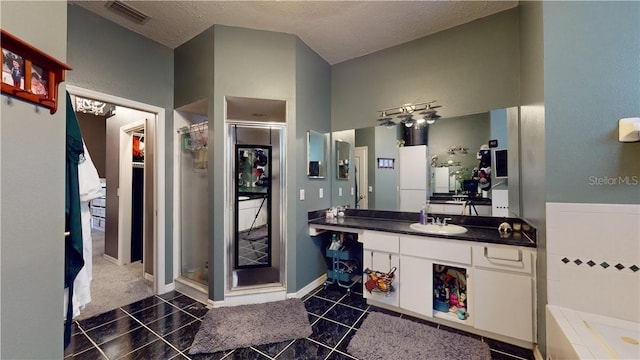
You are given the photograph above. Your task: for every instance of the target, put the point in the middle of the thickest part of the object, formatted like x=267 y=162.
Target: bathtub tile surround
x=593 y=256
x=163 y=327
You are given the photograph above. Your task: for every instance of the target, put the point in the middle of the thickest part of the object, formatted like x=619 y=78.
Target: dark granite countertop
x=479 y=228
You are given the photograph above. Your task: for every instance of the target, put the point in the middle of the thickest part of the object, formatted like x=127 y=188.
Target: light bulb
x=430 y=121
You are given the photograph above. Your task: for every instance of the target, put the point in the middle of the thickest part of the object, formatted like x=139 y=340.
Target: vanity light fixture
x=410 y=114
x=455 y=149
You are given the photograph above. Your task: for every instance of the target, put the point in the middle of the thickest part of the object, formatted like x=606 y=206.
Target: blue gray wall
x=313 y=112
x=110 y=67
x=529 y=128
x=194 y=69
x=253 y=64
x=468 y=69
x=586 y=92
x=32 y=179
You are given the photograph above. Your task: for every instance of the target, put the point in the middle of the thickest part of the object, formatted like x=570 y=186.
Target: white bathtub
x=573 y=334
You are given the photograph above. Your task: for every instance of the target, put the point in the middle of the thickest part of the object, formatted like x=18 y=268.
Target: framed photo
x=29 y=74
x=39 y=81
x=12 y=69
x=386 y=163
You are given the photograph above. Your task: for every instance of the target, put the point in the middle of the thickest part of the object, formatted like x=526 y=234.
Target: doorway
x=361 y=161
x=256 y=241
x=154 y=200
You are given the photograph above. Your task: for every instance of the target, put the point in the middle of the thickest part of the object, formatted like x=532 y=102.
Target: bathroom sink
x=449 y=229
x=240 y=198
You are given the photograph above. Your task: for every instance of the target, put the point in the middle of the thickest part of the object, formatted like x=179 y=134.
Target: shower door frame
x=229 y=199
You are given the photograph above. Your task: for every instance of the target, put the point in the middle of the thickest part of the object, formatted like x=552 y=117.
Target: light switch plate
x=352 y=191
x=301 y=194
x=339 y=191
x=370 y=188
x=321 y=193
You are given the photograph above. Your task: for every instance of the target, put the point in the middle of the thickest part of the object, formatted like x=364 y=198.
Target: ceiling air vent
x=125 y=10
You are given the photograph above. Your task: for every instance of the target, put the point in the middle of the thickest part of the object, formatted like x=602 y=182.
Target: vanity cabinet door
x=504 y=303
x=382 y=261
x=416 y=293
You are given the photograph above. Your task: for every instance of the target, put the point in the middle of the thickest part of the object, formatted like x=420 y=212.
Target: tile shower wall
x=593 y=258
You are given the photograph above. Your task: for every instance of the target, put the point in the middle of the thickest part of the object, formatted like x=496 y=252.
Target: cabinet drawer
x=436 y=249
x=380 y=242
x=98 y=211
x=509 y=258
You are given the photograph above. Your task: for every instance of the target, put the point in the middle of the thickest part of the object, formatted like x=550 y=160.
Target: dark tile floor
x=164 y=326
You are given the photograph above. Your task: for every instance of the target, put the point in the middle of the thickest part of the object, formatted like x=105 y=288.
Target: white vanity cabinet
x=418 y=255
x=380 y=253
x=416 y=293
x=500 y=281
x=456 y=209
x=504 y=290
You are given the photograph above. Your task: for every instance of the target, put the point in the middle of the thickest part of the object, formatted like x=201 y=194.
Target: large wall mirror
x=343 y=154
x=316 y=149
x=453 y=144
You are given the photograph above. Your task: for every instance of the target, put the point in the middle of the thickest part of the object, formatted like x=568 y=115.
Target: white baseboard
x=308 y=288
x=215 y=304
x=111 y=259
x=537 y=354
x=148 y=276
x=251 y=298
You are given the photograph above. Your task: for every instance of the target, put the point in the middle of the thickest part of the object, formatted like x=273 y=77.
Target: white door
x=503 y=303
x=416 y=293
x=361 y=160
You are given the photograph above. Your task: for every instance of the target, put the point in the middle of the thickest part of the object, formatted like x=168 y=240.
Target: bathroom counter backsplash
x=479 y=228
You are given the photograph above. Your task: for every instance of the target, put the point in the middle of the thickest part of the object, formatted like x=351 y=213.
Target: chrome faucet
x=444 y=221
x=433 y=220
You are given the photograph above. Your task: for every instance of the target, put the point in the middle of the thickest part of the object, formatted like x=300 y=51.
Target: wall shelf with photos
x=30 y=74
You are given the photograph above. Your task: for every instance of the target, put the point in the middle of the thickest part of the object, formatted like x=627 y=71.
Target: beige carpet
x=113 y=285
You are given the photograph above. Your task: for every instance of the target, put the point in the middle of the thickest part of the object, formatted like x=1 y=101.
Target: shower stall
x=255 y=240
x=191 y=182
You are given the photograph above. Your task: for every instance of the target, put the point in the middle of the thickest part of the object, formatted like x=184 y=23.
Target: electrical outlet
x=321 y=193
x=370 y=188
x=339 y=191
x=301 y=194
x=353 y=191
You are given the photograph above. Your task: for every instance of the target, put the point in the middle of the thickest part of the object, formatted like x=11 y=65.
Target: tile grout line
x=182 y=309
x=319 y=317
x=153 y=332
x=92 y=342
x=352 y=327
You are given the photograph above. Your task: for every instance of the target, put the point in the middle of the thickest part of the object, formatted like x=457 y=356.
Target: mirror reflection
x=316 y=164
x=343 y=154
x=253 y=238
x=459 y=162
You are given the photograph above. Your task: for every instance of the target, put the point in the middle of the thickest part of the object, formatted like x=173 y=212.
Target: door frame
x=159 y=201
x=125 y=191
x=362 y=152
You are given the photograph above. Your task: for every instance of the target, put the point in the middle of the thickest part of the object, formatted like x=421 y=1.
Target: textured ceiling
x=336 y=30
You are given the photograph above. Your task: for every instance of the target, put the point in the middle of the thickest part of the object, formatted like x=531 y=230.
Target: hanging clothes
x=73 y=250
x=89 y=188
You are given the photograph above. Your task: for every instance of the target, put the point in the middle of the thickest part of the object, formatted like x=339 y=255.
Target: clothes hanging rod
x=192 y=127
